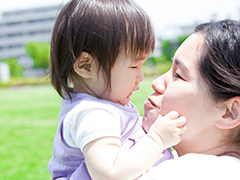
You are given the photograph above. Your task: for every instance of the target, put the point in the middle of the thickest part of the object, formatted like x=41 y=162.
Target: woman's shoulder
x=207 y=160
x=196 y=166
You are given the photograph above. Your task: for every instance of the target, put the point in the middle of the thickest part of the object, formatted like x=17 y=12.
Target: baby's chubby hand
x=169 y=129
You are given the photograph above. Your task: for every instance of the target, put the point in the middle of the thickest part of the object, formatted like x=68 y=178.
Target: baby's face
x=125 y=78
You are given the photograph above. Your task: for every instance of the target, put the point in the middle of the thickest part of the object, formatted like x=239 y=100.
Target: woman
x=204 y=86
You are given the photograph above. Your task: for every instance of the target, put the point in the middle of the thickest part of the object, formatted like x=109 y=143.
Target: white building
x=17 y=27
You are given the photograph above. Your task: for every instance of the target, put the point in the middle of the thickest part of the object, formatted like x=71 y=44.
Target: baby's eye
x=134 y=67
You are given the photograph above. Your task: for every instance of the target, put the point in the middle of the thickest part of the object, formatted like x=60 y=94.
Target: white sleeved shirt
x=196 y=167
x=89 y=121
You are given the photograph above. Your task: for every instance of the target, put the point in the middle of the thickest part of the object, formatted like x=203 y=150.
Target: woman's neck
x=231 y=153
x=220 y=150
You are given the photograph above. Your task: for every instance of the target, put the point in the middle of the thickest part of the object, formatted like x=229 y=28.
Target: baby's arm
x=106 y=160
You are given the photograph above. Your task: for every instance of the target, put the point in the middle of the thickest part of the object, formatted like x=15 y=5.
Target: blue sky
x=168 y=11
x=163 y=13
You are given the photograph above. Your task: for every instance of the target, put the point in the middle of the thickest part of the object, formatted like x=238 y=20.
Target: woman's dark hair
x=220 y=63
x=102 y=28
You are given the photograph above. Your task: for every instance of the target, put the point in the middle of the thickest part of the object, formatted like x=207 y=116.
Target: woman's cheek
x=172 y=100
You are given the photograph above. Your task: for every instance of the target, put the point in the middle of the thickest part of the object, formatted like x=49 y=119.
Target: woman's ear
x=83 y=65
x=231 y=117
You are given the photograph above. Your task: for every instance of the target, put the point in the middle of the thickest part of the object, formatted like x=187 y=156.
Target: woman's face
x=182 y=89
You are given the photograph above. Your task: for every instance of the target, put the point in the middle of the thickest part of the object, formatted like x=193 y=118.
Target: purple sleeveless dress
x=68 y=163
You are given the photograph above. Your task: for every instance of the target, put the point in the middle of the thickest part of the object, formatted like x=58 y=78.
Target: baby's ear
x=231 y=117
x=83 y=65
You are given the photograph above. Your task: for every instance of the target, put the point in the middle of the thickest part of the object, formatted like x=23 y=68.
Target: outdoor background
x=29 y=106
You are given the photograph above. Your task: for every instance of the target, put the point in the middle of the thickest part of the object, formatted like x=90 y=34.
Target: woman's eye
x=177 y=76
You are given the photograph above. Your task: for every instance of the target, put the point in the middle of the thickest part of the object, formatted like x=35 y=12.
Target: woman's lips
x=149 y=103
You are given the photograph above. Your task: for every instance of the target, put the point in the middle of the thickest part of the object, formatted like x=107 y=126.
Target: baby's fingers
x=180 y=122
x=183 y=129
x=172 y=115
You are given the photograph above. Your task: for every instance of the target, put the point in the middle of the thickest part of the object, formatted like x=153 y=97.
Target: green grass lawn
x=28 y=122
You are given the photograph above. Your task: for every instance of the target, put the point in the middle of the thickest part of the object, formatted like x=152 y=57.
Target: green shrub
x=16 y=69
x=21 y=81
x=156 y=65
x=39 y=52
x=169 y=47
x=160 y=65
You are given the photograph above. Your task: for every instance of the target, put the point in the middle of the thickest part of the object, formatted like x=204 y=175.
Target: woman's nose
x=159 y=85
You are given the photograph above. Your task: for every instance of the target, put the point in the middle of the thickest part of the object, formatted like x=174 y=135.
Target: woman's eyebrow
x=181 y=64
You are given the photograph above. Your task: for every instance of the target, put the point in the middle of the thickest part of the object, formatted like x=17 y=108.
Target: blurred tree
x=39 y=52
x=16 y=69
x=161 y=64
x=169 y=47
